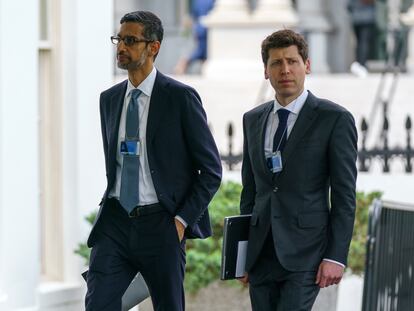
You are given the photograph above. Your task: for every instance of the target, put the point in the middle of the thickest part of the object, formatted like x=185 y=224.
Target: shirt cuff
x=182 y=221
x=333 y=261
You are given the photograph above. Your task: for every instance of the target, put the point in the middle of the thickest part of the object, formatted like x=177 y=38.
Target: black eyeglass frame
x=128 y=40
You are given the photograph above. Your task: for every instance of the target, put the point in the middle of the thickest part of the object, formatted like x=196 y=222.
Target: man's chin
x=286 y=93
x=130 y=65
x=122 y=66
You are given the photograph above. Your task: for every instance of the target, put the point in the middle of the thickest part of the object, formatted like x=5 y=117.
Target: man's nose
x=121 y=46
x=285 y=67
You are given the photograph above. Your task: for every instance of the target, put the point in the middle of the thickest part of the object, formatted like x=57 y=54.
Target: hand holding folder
x=235 y=237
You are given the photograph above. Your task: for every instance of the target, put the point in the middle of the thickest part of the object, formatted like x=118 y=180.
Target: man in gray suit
x=298 y=177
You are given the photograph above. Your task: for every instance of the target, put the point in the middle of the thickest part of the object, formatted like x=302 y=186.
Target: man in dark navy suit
x=162 y=168
x=299 y=178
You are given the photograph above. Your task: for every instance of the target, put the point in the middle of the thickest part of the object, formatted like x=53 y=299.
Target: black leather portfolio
x=235 y=236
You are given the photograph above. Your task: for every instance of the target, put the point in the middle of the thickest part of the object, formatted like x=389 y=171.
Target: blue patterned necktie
x=279 y=140
x=129 y=194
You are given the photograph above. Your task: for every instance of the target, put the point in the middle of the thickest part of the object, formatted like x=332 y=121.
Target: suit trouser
x=273 y=288
x=148 y=244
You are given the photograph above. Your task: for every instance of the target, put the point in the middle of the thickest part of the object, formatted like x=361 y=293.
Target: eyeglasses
x=128 y=40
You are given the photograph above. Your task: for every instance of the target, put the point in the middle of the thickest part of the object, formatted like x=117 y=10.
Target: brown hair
x=283 y=39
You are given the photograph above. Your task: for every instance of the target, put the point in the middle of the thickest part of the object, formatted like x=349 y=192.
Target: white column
x=229 y=39
x=19 y=179
x=86 y=70
x=277 y=12
x=315 y=25
x=235 y=36
x=84 y=61
x=229 y=12
x=3 y=299
x=3 y=296
x=408 y=19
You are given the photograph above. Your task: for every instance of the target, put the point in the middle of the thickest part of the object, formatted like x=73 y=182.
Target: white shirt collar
x=145 y=86
x=294 y=106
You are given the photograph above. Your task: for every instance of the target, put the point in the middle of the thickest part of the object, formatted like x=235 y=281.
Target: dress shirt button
x=275 y=189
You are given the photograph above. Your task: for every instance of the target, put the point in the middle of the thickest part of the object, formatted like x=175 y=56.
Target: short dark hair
x=153 y=29
x=283 y=39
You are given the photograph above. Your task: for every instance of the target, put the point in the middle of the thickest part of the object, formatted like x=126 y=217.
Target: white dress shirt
x=294 y=107
x=147 y=194
x=273 y=120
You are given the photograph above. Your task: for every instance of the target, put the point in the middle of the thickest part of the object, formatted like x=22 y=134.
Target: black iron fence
x=230 y=159
x=389 y=269
x=383 y=152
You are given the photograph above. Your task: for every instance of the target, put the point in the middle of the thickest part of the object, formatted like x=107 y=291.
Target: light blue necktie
x=129 y=194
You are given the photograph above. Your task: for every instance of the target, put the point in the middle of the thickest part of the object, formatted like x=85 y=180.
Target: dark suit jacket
x=182 y=155
x=310 y=205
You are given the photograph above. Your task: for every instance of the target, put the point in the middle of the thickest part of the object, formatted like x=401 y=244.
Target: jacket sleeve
x=103 y=129
x=342 y=155
x=248 y=193
x=205 y=159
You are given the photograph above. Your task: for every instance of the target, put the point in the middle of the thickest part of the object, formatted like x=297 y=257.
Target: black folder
x=235 y=236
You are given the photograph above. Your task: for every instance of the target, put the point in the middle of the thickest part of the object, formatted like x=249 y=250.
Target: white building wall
x=3 y=296
x=84 y=57
x=87 y=63
x=19 y=180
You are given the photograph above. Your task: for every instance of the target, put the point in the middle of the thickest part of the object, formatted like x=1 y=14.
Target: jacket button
x=152 y=171
x=275 y=189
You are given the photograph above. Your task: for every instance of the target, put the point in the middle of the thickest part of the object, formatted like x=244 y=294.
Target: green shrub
x=83 y=250
x=204 y=256
x=357 y=250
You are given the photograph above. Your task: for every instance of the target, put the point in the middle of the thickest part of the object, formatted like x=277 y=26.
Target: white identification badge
x=130 y=147
x=276 y=162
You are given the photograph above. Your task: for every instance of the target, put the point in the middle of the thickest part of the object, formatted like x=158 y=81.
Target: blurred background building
x=56 y=58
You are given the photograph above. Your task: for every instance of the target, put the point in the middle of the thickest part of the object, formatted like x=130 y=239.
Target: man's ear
x=154 y=47
x=266 y=75
x=307 y=66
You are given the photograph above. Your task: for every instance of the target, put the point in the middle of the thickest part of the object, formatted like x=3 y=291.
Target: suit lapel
x=156 y=105
x=306 y=118
x=262 y=122
x=115 y=110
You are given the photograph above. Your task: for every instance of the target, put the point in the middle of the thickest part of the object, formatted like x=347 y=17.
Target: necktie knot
x=135 y=93
x=283 y=115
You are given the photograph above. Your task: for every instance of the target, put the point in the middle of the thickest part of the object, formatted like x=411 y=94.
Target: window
x=50 y=145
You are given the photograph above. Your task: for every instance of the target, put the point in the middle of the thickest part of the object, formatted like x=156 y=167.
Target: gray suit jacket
x=310 y=205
